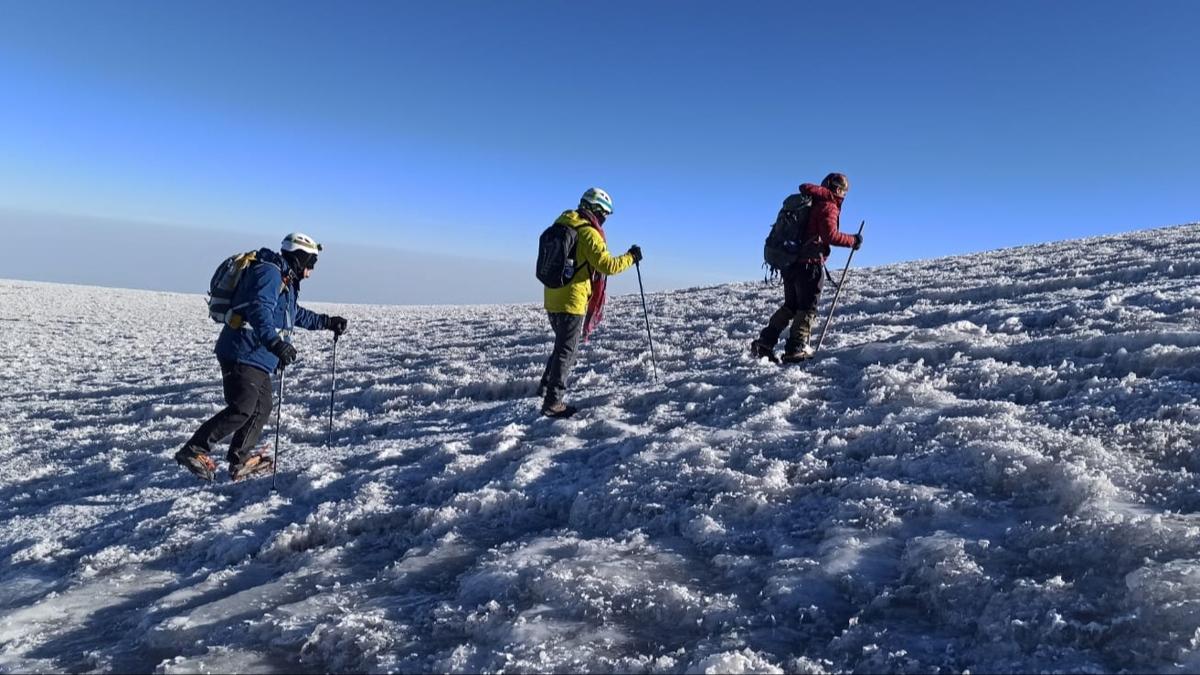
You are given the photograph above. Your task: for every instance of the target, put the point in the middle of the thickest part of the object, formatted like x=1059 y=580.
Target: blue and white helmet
x=597 y=199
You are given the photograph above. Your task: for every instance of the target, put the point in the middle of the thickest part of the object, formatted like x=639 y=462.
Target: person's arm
x=311 y=320
x=262 y=283
x=825 y=223
x=823 y=220
x=595 y=253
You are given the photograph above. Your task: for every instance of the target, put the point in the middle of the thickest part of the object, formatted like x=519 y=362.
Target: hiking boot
x=761 y=351
x=797 y=355
x=197 y=461
x=252 y=465
x=559 y=410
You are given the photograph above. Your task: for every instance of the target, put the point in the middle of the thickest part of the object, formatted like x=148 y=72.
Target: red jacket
x=823 y=221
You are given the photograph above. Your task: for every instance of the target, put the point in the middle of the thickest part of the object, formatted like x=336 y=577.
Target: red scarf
x=595 y=309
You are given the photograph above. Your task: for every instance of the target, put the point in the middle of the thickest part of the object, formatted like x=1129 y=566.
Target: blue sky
x=465 y=127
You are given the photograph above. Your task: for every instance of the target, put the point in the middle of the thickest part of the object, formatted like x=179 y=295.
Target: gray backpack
x=223 y=285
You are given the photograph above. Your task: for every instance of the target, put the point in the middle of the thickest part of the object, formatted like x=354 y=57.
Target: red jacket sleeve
x=823 y=219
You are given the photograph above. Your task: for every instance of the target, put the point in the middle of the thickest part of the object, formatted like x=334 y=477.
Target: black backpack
x=786 y=242
x=556 y=255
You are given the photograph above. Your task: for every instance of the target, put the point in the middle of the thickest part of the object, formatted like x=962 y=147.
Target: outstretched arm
x=595 y=252
x=309 y=319
x=824 y=216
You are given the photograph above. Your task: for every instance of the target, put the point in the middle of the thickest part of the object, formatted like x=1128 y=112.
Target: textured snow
x=991 y=467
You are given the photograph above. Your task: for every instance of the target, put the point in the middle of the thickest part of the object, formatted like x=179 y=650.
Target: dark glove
x=336 y=324
x=857 y=242
x=636 y=252
x=284 y=351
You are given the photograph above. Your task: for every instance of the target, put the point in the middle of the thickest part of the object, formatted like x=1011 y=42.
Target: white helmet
x=597 y=199
x=298 y=241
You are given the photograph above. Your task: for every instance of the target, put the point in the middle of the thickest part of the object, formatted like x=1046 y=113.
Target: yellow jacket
x=590 y=249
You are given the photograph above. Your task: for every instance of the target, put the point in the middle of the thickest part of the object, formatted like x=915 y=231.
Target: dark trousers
x=248 y=405
x=801 y=291
x=567 y=330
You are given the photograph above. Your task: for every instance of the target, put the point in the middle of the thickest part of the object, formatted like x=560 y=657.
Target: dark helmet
x=836 y=180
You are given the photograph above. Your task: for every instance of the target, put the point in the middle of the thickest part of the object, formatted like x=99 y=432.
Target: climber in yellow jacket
x=576 y=307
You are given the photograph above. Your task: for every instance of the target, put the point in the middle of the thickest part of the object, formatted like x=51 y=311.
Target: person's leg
x=808 y=293
x=544 y=384
x=240 y=385
x=783 y=316
x=247 y=436
x=567 y=331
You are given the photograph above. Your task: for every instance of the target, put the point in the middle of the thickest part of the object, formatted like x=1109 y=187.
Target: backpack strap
x=232 y=313
x=585 y=263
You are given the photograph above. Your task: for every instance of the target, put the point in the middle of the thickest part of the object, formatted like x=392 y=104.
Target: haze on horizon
x=451 y=133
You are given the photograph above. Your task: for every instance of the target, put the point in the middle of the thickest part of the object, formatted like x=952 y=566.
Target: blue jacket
x=271 y=311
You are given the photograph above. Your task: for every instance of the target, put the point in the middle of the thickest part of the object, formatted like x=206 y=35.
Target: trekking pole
x=332 y=388
x=278 y=417
x=646 y=313
x=836 y=293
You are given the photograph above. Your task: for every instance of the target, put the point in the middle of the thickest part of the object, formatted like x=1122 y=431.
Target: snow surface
x=991 y=467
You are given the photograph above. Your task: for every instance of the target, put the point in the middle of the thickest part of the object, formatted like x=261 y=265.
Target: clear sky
x=466 y=127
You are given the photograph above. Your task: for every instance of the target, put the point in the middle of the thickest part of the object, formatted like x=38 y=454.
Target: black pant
x=567 y=330
x=801 y=291
x=248 y=399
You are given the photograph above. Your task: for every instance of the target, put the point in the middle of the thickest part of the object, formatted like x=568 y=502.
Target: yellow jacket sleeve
x=591 y=253
x=594 y=251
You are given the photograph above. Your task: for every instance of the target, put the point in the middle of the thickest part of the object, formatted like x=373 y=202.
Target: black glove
x=285 y=351
x=636 y=252
x=857 y=242
x=336 y=324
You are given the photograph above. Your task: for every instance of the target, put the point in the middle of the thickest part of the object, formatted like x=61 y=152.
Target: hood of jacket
x=821 y=193
x=574 y=219
x=273 y=257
